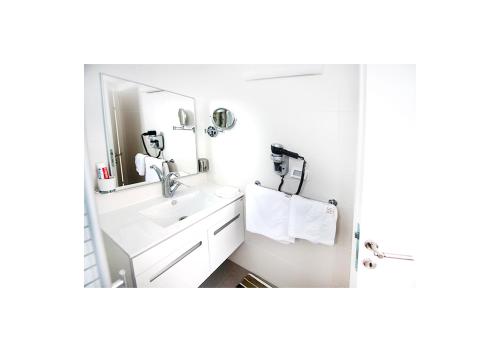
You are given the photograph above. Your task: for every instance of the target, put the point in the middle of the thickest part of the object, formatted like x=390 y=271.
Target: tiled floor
x=228 y=274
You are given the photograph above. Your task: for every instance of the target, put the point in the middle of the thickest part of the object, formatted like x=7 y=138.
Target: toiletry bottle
x=102 y=171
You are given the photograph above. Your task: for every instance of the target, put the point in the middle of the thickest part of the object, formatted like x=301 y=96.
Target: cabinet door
x=227 y=234
x=186 y=265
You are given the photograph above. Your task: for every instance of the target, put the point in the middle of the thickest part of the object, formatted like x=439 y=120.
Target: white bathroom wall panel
x=315 y=116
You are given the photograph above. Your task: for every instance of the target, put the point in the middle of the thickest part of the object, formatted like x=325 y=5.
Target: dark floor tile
x=227 y=275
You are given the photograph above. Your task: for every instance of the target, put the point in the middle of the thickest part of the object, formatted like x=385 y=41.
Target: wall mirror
x=145 y=125
x=223 y=119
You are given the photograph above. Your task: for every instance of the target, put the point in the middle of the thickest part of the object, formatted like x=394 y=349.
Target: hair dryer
x=279 y=156
x=156 y=141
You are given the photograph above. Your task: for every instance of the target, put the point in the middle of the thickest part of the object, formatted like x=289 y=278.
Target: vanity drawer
x=188 y=258
x=168 y=248
x=226 y=213
x=226 y=234
x=185 y=265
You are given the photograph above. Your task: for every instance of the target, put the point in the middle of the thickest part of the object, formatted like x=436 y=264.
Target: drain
x=182 y=218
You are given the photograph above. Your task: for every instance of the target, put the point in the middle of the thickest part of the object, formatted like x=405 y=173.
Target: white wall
x=315 y=116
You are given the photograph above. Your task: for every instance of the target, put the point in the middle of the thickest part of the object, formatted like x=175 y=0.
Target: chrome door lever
x=397 y=256
x=374 y=248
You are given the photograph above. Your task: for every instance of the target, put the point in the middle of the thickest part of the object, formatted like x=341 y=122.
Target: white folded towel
x=312 y=220
x=140 y=165
x=151 y=175
x=267 y=213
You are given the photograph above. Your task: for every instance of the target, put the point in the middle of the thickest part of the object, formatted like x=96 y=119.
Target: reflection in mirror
x=140 y=126
x=183 y=117
x=223 y=118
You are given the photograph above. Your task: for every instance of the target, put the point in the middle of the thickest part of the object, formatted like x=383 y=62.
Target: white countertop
x=135 y=233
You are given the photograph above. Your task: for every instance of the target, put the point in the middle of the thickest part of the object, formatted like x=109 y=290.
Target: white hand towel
x=267 y=213
x=140 y=165
x=151 y=175
x=312 y=220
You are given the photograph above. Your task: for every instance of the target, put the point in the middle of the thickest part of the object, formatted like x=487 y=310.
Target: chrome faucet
x=168 y=184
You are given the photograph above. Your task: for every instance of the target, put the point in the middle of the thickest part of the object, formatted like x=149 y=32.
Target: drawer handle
x=172 y=263
x=226 y=225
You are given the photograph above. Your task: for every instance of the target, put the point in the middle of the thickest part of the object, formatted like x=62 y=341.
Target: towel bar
x=331 y=201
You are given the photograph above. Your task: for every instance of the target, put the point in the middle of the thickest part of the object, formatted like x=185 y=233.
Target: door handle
x=374 y=248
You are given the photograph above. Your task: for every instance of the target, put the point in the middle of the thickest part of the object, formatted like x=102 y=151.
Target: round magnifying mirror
x=223 y=118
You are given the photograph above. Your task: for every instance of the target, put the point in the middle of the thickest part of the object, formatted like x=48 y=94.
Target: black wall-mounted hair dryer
x=279 y=159
x=156 y=141
x=279 y=156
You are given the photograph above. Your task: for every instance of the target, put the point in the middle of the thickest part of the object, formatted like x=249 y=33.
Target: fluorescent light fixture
x=280 y=71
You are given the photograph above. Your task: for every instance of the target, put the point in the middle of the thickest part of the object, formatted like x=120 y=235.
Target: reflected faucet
x=168 y=184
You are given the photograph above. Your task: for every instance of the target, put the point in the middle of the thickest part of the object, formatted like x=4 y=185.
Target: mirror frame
x=107 y=127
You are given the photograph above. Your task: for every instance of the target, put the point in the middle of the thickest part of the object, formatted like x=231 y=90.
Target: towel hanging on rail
x=140 y=163
x=150 y=174
x=300 y=217
x=267 y=213
x=312 y=220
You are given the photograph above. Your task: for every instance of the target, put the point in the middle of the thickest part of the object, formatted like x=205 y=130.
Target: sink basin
x=177 y=209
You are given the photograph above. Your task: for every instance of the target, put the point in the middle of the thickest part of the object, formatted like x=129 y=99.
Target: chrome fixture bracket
x=183 y=128
x=212 y=131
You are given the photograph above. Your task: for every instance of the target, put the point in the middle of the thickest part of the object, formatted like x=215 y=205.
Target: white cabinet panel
x=189 y=257
x=185 y=262
x=227 y=234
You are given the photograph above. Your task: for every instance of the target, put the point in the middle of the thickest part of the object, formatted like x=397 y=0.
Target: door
x=384 y=251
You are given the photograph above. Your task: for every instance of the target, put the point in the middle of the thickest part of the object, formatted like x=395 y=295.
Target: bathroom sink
x=179 y=208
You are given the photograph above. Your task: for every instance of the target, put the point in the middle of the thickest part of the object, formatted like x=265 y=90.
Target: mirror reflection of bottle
x=102 y=171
